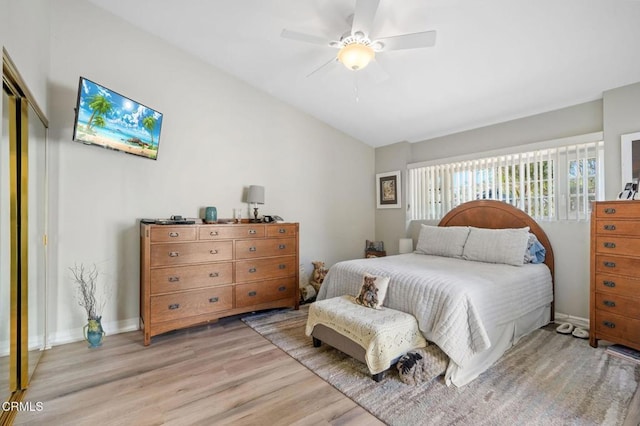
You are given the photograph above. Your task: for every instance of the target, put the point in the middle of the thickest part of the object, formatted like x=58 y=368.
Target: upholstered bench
x=377 y=337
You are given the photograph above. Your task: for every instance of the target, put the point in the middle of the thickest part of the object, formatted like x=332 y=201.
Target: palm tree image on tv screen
x=108 y=119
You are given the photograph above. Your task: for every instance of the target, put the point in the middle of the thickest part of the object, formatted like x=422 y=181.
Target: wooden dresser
x=191 y=274
x=615 y=273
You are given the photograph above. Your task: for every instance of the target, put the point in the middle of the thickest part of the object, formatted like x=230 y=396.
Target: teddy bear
x=318 y=274
x=369 y=293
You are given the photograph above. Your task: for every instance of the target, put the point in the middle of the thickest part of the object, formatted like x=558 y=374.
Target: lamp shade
x=255 y=194
x=356 y=56
x=406 y=245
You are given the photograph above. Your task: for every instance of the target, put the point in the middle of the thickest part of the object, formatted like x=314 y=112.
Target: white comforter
x=455 y=301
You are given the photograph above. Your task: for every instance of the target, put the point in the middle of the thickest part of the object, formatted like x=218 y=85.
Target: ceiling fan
x=356 y=47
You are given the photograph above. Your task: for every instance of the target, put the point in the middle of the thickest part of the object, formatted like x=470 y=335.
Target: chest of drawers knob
x=214 y=275
x=174 y=306
x=282 y=231
x=252 y=249
x=609 y=324
x=282 y=288
x=282 y=266
x=213 y=251
x=213 y=300
x=174 y=254
x=252 y=293
x=252 y=231
x=609 y=245
x=213 y=233
x=609 y=303
x=609 y=227
x=610 y=284
x=174 y=279
x=252 y=270
x=610 y=210
x=174 y=234
x=610 y=264
x=282 y=246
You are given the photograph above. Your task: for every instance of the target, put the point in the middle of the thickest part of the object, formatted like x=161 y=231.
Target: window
x=554 y=180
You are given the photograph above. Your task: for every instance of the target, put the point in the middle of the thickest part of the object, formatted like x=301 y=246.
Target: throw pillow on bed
x=497 y=245
x=445 y=241
x=373 y=291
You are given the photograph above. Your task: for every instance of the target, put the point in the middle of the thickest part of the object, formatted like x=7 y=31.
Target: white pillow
x=373 y=291
x=445 y=241
x=497 y=245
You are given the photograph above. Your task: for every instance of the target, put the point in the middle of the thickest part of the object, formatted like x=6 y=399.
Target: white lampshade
x=356 y=56
x=406 y=245
x=255 y=194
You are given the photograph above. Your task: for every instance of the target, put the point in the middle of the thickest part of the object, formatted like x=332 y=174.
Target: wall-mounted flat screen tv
x=106 y=118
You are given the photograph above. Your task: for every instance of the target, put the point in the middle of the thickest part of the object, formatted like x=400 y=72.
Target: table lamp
x=255 y=196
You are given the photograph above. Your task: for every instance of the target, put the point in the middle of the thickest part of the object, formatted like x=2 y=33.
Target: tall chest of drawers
x=191 y=274
x=615 y=273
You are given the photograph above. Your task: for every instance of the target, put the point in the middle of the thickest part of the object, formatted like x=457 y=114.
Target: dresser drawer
x=265 y=291
x=623 y=286
x=620 y=305
x=628 y=228
x=614 y=326
x=623 y=209
x=260 y=269
x=191 y=303
x=249 y=249
x=161 y=234
x=281 y=230
x=617 y=245
x=617 y=265
x=185 y=253
x=231 y=232
x=165 y=280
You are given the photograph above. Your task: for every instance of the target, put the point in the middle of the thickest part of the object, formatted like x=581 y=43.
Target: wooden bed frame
x=494 y=214
x=490 y=214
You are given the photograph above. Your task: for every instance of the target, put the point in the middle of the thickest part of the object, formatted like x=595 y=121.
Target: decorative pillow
x=373 y=291
x=445 y=241
x=535 y=252
x=497 y=245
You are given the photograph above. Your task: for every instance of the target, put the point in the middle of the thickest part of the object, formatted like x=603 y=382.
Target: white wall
x=219 y=135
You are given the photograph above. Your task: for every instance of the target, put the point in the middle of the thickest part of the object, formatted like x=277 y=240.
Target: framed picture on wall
x=388 y=190
x=630 y=157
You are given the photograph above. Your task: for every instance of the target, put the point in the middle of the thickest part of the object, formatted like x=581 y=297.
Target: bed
x=473 y=310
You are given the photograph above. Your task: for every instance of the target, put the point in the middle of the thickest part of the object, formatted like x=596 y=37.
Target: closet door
x=5 y=255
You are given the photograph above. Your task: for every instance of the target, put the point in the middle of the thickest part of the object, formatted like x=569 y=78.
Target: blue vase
x=210 y=215
x=93 y=332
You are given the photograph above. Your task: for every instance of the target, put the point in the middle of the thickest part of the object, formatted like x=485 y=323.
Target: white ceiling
x=494 y=60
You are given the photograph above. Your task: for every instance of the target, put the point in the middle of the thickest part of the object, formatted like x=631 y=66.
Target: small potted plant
x=87 y=282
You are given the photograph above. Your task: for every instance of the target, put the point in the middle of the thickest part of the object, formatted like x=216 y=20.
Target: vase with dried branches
x=91 y=300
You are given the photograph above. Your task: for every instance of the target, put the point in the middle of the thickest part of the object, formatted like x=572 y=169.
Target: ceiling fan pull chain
x=355 y=88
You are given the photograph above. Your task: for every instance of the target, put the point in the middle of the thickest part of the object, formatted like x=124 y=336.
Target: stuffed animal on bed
x=369 y=293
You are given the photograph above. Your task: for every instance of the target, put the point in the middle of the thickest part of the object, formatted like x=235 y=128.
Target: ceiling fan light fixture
x=356 y=56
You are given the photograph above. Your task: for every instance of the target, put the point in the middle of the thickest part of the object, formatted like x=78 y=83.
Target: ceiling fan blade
x=307 y=38
x=408 y=41
x=364 y=15
x=323 y=68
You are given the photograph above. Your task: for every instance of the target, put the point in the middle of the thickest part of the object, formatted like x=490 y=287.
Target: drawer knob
x=252 y=231
x=609 y=284
x=282 y=266
x=282 y=231
x=610 y=210
x=214 y=275
x=609 y=324
x=610 y=264
x=174 y=279
x=610 y=245
x=174 y=254
x=609 y=227
x=282 y=246
x=174 y=234
x=252 y=270
x=282 y=288
x=213 y=251
x=213 y=233
x=252 y=293
x=174 y=306
x=252 y=249
x=213 y=300
x=609 y=303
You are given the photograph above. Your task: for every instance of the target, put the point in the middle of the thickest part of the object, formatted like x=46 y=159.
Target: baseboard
x=576 y=321
x=77 y=334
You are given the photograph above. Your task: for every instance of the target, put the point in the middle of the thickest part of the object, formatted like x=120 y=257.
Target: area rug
x=546 y=379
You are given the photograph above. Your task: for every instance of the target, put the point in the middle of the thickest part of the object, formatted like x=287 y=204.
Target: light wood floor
x=223 y=373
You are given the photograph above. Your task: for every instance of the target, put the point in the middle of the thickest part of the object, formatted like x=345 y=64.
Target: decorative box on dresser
x=191 y=274
x=615 y=273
